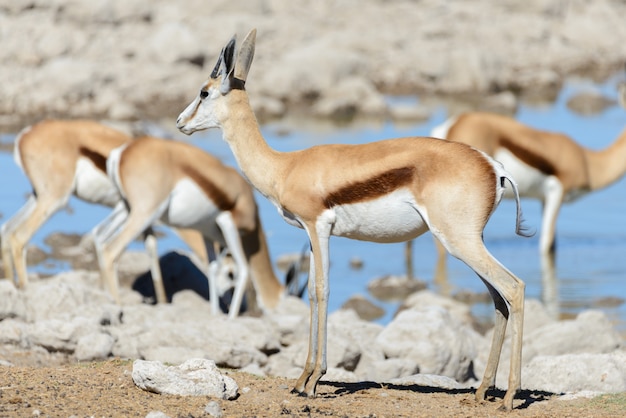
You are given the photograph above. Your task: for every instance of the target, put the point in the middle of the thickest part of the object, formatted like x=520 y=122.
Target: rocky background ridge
x=140 y=59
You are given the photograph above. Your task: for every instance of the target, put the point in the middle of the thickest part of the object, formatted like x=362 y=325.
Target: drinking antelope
x=387 y=191
x=185 y=187
x=63 y=158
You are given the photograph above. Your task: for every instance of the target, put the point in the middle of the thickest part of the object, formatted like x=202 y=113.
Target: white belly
x=189 y=207
x=530 y=181
x=92 y=185
x=391 y=218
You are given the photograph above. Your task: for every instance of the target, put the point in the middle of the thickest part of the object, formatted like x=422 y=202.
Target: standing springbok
x=548 y=166
x=185 y=187
x=387 y=191
x=61 y=158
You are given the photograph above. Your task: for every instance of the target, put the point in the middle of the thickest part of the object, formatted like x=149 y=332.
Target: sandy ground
x=106 y=389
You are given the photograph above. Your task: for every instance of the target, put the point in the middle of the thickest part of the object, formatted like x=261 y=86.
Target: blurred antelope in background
x=184 y=187
x=62 y=158
x=548 y=166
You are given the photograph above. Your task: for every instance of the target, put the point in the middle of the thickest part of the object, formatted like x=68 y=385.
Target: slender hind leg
x=550 y=285
x=8 y=229
x=508 y=293
x=23 y=232
x=441 y=270
x=111 y=248
x=195 y=241
x=499 y=330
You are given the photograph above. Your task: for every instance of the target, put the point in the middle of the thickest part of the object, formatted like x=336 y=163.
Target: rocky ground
x=106 y=389
x=67 y=350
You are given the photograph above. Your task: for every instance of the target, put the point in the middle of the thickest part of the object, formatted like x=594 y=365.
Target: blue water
x=591 y=232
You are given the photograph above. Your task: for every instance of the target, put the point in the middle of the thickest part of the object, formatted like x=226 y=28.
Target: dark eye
x=204 y=94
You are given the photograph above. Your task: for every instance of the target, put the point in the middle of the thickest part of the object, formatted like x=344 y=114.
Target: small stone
x=394 y=287
x=214 y=409
x=195 y=377
x=356 y=263
x=364 y=308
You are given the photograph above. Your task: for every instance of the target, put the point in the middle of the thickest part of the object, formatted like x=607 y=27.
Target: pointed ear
x=216 y=69
x=220 y=60
x=227 y=65
x=246 y=53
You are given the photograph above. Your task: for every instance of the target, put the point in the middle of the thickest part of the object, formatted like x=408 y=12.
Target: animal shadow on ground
x=527 y=396
x=179 y=273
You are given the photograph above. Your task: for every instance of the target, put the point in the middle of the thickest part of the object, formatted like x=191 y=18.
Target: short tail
x=520 y=228
x=17 y=156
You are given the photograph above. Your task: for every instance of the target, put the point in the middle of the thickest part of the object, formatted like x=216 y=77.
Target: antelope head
x=209 y=107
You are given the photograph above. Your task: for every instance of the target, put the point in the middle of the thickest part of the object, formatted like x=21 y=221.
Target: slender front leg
x=408 y=258
x=309 y=365
x=231 y=235
x=112 y=247
x=150 y=242
x=551 y=206
x=317 y=344
x=213 y=268
x=103 y=233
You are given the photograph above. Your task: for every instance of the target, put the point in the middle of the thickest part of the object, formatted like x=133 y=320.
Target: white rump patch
x=93 y=185
x=530 y=181
x=189 y=207
x=16 y=147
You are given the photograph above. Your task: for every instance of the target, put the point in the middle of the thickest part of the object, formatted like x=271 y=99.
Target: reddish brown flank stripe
x=382 y=184
x=220 y=199
x=530 y=158
x=96 y=158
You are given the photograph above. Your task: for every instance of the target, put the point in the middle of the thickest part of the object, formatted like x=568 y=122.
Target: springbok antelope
x=61 y=158
x=184 y=187
x=548 y=166
x=387 y=191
